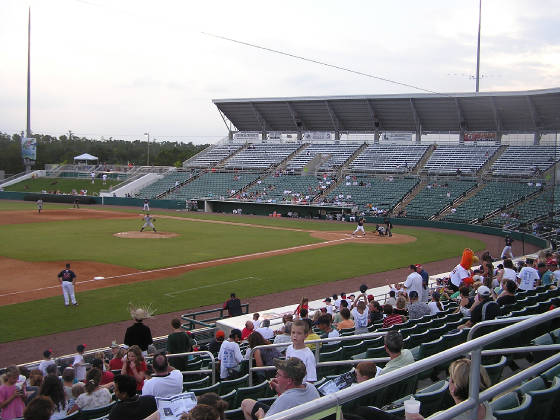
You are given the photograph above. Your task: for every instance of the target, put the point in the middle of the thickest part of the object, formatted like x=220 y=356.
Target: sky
x=122 y=68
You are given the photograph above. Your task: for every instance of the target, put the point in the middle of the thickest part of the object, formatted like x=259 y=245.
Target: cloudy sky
x=120 y=68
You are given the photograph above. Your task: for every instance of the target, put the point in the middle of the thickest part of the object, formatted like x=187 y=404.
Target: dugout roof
x=507 y=112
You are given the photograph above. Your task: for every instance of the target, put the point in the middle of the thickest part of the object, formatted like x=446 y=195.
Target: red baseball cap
x=220 y=333
x=418 y=265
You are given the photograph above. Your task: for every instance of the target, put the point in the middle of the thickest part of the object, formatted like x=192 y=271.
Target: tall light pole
x=478 y=46
x=148 y=134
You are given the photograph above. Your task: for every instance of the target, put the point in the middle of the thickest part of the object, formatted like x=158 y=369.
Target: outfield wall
x=264 y=209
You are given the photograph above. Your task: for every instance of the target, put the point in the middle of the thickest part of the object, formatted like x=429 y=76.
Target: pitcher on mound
x=148 y=222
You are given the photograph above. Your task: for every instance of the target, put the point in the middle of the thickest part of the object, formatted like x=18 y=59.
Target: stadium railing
x=211 y=370
x=317 y=352
x=192 y=322
x=331 y=404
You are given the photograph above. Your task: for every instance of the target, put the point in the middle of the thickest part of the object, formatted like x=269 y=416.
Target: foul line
x=197 y=264
x=178 y=292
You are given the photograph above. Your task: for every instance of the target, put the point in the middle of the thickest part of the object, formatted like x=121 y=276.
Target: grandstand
x=329 y=156
x=214 y=185
x=435 y=197
x=525 y=161
x=449 y=160
x=389 y=159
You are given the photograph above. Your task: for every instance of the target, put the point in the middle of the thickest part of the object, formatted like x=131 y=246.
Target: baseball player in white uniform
x=148 y=222
x=67 y=279
x=146 y=205
x=360 y=227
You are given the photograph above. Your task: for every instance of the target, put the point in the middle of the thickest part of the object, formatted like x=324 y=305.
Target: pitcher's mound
x=134 y=234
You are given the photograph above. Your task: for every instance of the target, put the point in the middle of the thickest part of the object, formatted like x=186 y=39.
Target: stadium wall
x=265 y=209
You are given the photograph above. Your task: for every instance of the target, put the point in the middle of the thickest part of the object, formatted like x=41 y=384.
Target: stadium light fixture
x=148 y=161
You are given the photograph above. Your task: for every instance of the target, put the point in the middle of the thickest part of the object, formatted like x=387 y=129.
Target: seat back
x=508 y=407
x=254 y=392
x=212 y=388
x=495 y=370
x=96 y=412
x=431 y=398
x=188 y=385
x=544 y=401
x=349 y=351
x=229 y=385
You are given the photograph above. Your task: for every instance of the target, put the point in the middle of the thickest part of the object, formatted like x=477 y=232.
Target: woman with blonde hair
x=459 y=373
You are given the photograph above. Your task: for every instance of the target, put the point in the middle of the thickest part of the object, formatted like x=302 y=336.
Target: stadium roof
x=508 y=112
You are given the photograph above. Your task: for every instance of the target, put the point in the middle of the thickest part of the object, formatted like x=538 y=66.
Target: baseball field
x=193 y=260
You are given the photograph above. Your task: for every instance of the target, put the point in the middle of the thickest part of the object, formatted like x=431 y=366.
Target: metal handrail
x=317 y=348
x=198 y=353
x=332 y=401
x=190 y=318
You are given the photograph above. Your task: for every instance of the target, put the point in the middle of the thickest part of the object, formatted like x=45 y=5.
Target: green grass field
x=93 y=240
x=64 y=185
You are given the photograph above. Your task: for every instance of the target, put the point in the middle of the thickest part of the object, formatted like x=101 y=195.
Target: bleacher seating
x=261 y=156
x=434 y=197
x=494 y=196
x=291 y=188
x=212 y=155
x=335 y=155
x=164 y=184
x=213 y=184
x=519 y=161
x=448 y=159
x=526 y=212
x=388 y=158
x=370 y=193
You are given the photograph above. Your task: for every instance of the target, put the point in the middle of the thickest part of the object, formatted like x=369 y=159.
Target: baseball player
x=507 y=251
x=146 y=205
x=148 y=222
x=39 y=205
x=66 y=278
x=360 y=227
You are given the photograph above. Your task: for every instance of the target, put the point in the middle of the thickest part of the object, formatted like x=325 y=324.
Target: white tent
x=85 y=156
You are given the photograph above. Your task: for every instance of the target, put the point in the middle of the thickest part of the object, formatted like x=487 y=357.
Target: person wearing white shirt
x=46 y=362
x=458 y=274
x=230 y=355
x=79 y=364
x=166 y=381
x=414 y=281
x=528 y=276
x=265 y=330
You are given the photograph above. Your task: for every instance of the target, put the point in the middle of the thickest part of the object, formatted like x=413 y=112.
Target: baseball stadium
x=360 y=256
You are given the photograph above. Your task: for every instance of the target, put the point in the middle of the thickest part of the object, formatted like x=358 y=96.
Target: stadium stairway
x=459 y=201
x=423 y=160
x=408 y=198
x=486 y=167
x=182 y=184
x=222 y=162
x=507 y=209
x=348 y=161
x=283 y=162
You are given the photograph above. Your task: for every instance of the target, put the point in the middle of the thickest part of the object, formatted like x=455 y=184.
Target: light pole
x=148 y=134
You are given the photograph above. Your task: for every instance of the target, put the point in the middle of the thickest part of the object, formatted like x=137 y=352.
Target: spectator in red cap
x=216 y=343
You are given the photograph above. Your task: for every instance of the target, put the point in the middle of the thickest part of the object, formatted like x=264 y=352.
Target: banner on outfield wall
x=247 y=136
x=317 y=135
x=29 y=148
x=479 y=136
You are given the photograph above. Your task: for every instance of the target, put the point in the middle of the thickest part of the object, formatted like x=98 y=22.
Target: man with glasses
x=288 y=384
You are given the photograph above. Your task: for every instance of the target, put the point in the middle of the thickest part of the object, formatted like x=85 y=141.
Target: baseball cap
x=417 y=265
x=552 y=262
x=294 y=368
x=114 y=345
x=370 y=297
x=220 y=334
x=483 y=291
x=327 y=299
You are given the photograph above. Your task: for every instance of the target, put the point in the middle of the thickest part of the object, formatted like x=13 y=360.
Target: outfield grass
x=64 y=185
x=213 y=285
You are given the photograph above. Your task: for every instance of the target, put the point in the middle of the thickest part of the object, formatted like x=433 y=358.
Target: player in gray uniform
x=39 y=205
x=148 y=222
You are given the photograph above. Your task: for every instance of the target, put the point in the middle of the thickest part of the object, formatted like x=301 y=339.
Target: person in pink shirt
x=12 y=395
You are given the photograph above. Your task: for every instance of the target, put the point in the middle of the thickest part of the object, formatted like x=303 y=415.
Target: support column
x=537 y=138
x=299 y=136
x=418 y=134
x=337 y=135
x=462 y=135
x=230 y=135
x=498 y=138
x=376 y=136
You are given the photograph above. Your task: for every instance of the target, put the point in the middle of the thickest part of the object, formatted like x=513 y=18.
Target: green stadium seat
x=235 y=414
x=212 y=388
x=255 y=392
x=188 y=385
x=543 y=399
x=431 y=398
x=229 y=385
x=96 y=412
x=230 y=398
x=349 y=351
x=508 y=406
x=551 y=373
x=495 y=370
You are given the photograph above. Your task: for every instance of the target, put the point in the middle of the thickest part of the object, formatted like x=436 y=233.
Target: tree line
x=61 y=150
